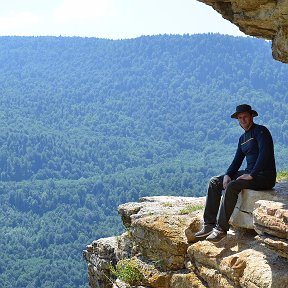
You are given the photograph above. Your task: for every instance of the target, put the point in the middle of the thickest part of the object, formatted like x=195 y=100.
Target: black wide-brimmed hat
x=244 y=108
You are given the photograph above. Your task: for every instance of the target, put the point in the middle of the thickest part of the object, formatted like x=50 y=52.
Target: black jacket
x=256 y=145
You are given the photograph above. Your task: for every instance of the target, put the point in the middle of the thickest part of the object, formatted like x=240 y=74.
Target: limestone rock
x=186 y=280
x=242 y=216
x=207 y=253
x=214 y=278
x=266 y=19
x=193 y=227
x=161 y=238
x=271 y=218
x=162 y=221
x=101 y=254
x=243 y=213
x=280 y=44
x=280 y=246
x=128 y=209
x=164 y=205
x=156 y=278
x=239 y=261
x=152 y=276
x=157 y=241
x=120 y=284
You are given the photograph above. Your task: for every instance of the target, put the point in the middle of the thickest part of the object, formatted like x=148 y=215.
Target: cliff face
x=266 y=19
x=154 y=251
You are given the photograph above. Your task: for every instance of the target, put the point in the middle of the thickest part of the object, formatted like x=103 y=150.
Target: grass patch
x=128 y=271
x=167 y=204
x=282 y=176
x=189 y=208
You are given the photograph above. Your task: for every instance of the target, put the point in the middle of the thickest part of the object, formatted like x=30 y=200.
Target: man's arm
x=234 y=167
x=236 y=163
x=226 y=181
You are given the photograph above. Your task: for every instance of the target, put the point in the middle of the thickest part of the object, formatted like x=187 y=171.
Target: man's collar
x=251 y=127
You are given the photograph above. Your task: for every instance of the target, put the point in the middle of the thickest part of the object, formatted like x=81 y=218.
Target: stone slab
x=242 y=216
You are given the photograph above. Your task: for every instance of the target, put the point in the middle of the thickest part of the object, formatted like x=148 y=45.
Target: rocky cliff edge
x=154 y=252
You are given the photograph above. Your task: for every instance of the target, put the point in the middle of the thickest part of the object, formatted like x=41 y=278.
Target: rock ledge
x=156 y=244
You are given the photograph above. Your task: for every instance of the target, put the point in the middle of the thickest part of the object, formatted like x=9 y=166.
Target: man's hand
x=245 y=177
x=226 y=181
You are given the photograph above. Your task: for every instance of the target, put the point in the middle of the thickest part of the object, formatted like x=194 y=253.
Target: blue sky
x=114 y=19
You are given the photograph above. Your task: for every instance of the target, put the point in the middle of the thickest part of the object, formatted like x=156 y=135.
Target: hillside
x=87 y=124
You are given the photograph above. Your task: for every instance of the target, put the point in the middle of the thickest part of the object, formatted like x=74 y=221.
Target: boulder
x=161 y=238
x=157 y=205
x=239 y=261
x=242 y=216
x=280 y=246
x=243 y=212
x=271 y=218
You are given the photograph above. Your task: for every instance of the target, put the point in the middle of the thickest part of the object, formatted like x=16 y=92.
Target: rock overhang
x=267 y=19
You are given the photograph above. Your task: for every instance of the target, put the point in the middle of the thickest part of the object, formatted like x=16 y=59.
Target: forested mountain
x=87 y=124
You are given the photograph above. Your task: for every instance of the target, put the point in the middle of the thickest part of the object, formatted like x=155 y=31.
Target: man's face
x=245 y=120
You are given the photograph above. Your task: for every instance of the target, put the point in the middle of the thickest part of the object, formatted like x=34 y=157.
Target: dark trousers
x=219 y=211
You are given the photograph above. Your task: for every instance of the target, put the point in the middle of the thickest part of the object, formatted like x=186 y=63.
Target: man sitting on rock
x=256 y=145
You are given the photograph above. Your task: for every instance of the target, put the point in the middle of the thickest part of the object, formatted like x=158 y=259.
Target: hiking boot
x=204 y=232
x=217 y=235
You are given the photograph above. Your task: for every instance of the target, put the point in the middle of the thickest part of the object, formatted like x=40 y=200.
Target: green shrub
x=128 y=271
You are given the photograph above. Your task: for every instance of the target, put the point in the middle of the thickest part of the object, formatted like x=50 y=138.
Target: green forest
x=88 y=124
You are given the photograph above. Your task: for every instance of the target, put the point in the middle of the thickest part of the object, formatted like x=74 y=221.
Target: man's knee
x=215 y=180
